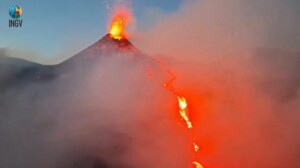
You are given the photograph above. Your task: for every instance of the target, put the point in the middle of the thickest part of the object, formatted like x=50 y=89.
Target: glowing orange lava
x=197 y=165
x=196 y=147
x=117 y=28
x=119 y=21
x=184 y=113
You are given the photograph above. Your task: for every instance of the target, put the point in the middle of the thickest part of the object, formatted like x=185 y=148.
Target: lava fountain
x=119 y=20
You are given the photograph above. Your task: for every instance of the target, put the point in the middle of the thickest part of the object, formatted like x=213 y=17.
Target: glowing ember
x=196 y=147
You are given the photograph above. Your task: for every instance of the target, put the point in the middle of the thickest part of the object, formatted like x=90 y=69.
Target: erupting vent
x=118 y=24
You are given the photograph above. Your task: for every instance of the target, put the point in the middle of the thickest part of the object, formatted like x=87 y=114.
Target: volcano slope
x=105 y=107
x=87 y=111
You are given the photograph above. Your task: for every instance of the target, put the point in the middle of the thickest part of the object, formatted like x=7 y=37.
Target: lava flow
x=184 y=113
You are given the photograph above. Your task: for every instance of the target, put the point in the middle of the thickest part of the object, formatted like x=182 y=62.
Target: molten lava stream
x=183 y=111
x=184 y=114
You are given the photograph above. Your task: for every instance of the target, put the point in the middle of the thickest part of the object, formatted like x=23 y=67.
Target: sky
x=64 y=27
x=55 y=30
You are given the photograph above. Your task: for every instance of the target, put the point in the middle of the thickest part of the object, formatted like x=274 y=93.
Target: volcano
x=113 y=72
x=109 y=46
x=39 y=99
x=109 y=43
x=17 y=72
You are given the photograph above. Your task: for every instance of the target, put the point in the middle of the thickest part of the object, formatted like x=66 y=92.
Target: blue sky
x=50 y=27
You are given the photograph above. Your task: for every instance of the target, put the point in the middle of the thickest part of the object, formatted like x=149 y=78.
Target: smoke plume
x=236 y=62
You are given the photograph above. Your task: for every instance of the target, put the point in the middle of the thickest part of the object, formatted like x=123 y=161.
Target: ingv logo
x=15 y=12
